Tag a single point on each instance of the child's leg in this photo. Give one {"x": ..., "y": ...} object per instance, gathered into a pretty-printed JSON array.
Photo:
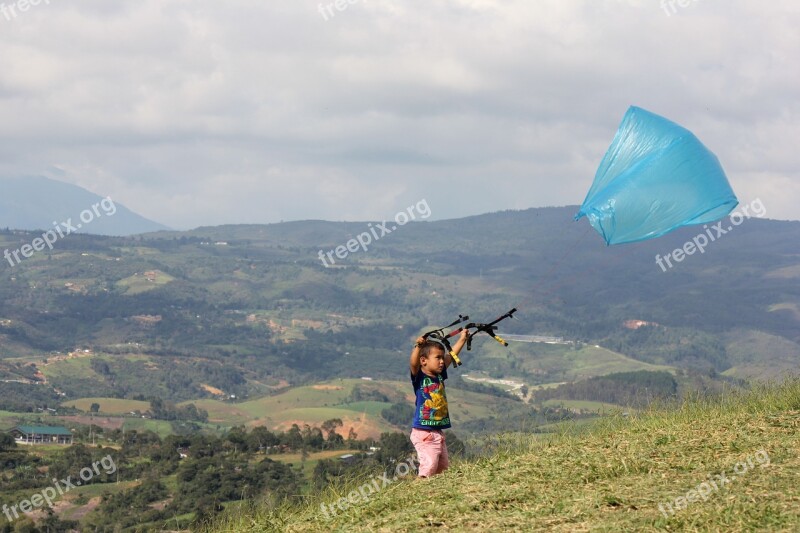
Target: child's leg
[
  {"x": 444, "y": 457},
  {"x": 426, "y": 444}
]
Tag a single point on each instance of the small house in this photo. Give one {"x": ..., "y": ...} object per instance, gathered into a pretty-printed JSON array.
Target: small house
[{"x": 41, "y": 435}]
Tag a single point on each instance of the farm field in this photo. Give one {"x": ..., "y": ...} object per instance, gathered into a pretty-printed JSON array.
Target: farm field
[
  {"x": 109, "y": 406},
  {"x": 312, "y": 459},
  {"x": 310, "y": 404},
  {"x": 563, "y": 363},
  {"x": 161, "y": 427},
  {"x": 8, "y": 419}
]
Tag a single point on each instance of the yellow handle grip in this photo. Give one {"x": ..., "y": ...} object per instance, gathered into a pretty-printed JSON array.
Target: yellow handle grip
[
  {"x": 456, "y": 360},
  {"x": 500, "y": 340}
]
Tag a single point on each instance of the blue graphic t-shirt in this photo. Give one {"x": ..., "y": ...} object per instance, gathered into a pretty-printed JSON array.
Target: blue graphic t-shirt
[{"x": 431, "y": 406}]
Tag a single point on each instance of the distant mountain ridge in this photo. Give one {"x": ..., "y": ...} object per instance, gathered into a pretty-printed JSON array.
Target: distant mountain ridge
[
  {"x": 261, "y": 296},
  {"x": 37, "y": 202}
]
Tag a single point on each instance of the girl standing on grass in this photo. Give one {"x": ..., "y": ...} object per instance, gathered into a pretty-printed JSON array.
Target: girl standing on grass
[{"x": 429, "y": 364}]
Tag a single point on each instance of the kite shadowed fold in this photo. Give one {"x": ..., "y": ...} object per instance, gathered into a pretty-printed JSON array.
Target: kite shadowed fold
[{"x": 655, "y": 177}]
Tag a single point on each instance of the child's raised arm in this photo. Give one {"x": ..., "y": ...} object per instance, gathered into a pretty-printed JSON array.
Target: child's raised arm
[
  {"x": 414, "y": 363},
  {"x": 462, "y": 340}
]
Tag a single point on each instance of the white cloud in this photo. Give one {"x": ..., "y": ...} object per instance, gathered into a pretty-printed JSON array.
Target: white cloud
[{"x": 198, "y": 112}]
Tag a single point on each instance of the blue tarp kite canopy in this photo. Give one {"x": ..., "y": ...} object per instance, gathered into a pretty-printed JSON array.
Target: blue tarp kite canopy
[{"x": 655, "y": 177}]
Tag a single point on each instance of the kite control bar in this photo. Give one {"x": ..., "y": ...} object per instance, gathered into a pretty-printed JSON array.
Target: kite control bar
[{"x": 489, "y": 328}]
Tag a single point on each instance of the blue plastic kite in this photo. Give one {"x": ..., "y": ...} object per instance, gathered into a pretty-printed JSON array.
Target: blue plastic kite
[{"x": 655, "y": 177}]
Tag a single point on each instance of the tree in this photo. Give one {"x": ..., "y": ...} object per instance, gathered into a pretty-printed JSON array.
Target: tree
[
  {"x": 207, "y": 508},
  {"x": 312, "y": 437},
  {"x": 335, "y": 441},
  {"x": 52, "y": 524},
  {"x": 394, "y": 447},
  {"x": 6, "y": 441},
  {"x": 398, "y": 414},
  {"x": 261, "y": 438},
  {"x": 25, "y": 525},
  {"x": 329, "y": 427},
  {"x": 95, "y": 407},
  {"x": 293, "y": 438},
  {"x": 238, "y": 438}
]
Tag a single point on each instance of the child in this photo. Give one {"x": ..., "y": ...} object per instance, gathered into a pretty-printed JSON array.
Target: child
[{"x": 429, "y": 364}]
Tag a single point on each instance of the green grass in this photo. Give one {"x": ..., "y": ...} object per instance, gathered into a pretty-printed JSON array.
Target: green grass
[
  {"x": 746, "y": 349},
  {"x": 109, "y": 406},
  {"x": 295, "y": 459},
  {"x": 76, "y": 368},
  {"x": 589, "y": 361},
  {"x": 608, "y": 476},
  {"x": 9, "y": 419},
  {"x": 160, "y": 427},
  {"x": 548, "y": 363},
  {"x": 311, "y": 404},
  {"x": 330, "y": 393},
  {"x": 91, "y": 491},
  {"x": 601, "y": 407},
  {"x": 371, "y": 408},
  {"x": 171, "y": 482},
  {"x": 138, "y": 283},
  {"x": 317, "y": 403},
  {"x": 223, "y": 413}
]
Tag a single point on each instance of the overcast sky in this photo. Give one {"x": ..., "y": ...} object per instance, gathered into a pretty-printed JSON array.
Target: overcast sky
[{"x": 205, "y": 112}]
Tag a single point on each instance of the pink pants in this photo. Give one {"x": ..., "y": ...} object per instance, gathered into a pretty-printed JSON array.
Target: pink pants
[{"x": 431, "y": 451}]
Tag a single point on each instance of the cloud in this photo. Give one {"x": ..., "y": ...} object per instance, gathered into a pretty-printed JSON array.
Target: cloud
[{"x": 201, "y": 113}]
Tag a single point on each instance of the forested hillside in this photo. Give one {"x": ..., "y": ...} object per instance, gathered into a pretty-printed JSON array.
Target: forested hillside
[{"x": 244, "y": 308}]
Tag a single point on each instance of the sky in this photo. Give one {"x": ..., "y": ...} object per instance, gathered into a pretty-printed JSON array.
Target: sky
[{"x": 197, "y": 113}]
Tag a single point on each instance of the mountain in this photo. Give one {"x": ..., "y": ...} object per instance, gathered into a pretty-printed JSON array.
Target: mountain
[
  {"x": 244, "y": 308},
  {"x": 36, "y": 202}
]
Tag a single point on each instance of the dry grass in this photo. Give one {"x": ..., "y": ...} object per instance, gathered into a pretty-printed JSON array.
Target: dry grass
[{"x": 610, "y": 477}]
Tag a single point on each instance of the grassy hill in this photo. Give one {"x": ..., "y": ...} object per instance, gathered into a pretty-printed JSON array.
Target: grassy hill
[
  {"x": 730, "y": 463},
  {"x": 110, "y": 406},
  {"x": 744, "y": 348}
]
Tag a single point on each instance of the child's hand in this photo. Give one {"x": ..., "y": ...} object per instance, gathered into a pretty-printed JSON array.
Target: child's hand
[
  {"x": 462, "y": 340},
  {"x": 420, "y": 341}
]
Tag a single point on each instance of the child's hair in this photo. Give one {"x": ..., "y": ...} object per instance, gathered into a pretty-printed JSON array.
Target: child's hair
[{"x": 428, "y": 345}]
